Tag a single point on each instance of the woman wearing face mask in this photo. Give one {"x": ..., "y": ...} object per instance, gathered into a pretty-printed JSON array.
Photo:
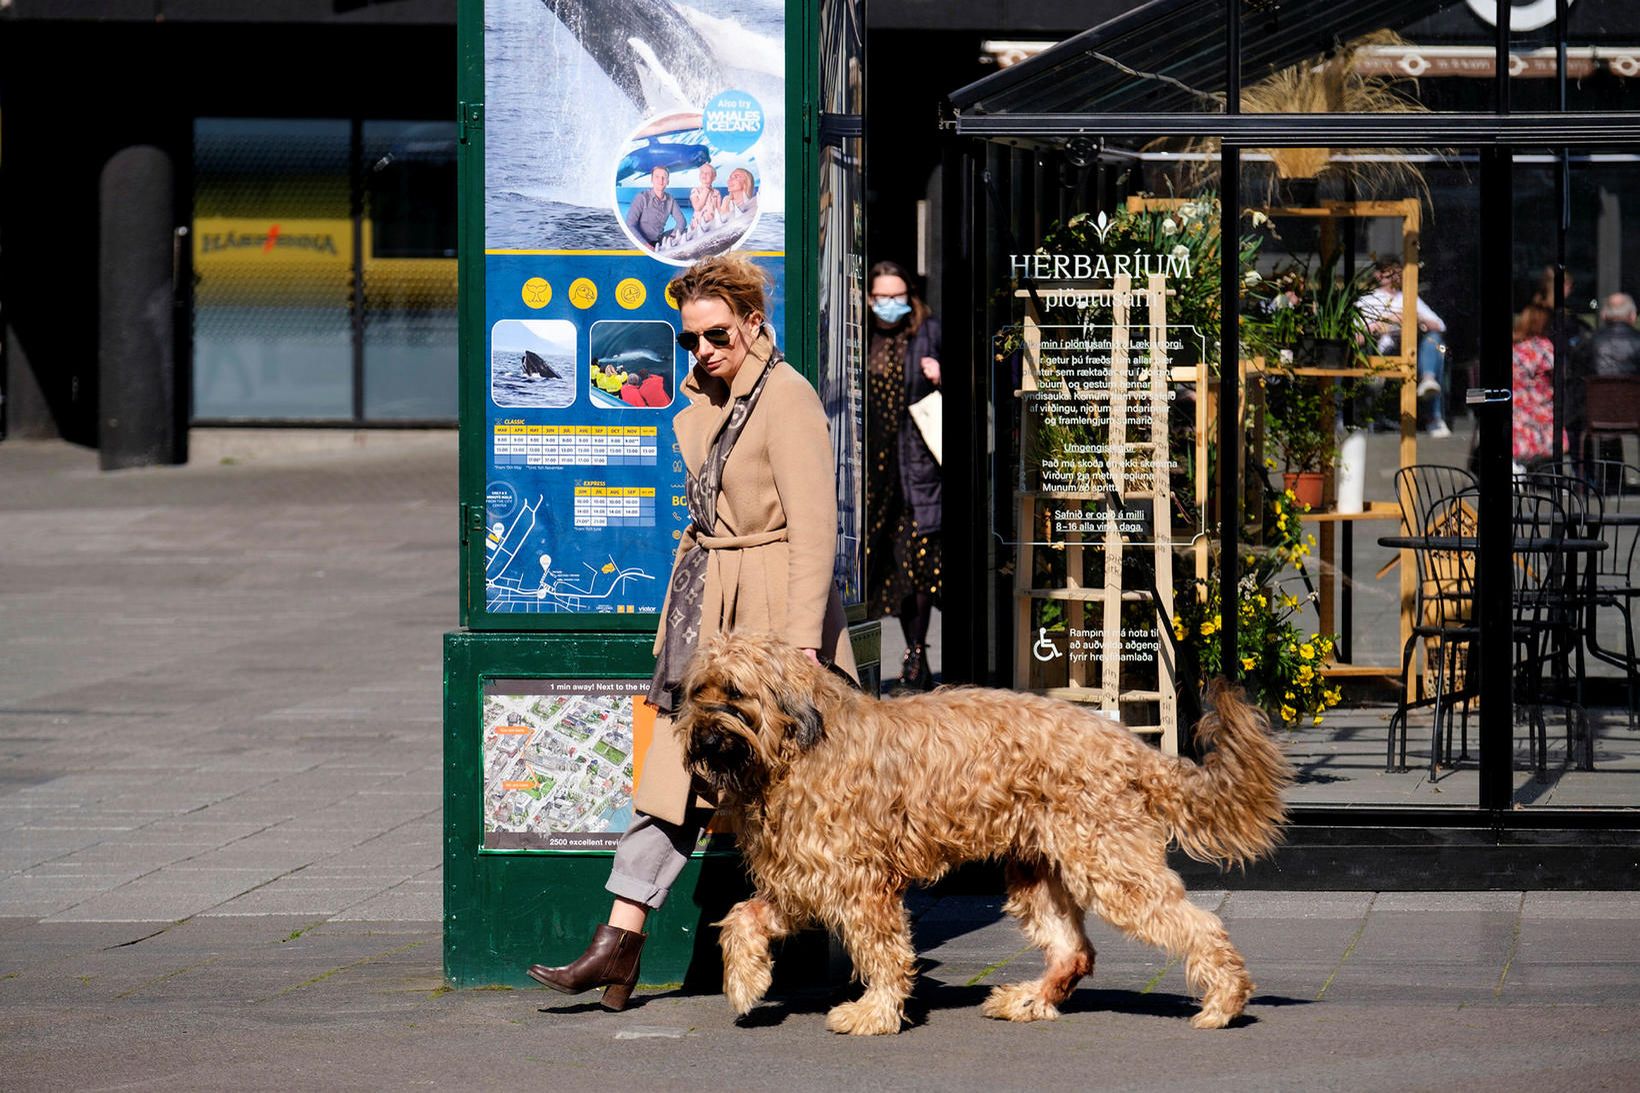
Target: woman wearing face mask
[
  {"x": 903, "y": 487},
  {"x": 757, "y": 555}
]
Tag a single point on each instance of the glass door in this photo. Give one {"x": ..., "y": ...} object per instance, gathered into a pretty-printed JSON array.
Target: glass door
[
  {"x": 1099, "y": 458},
  {"x": 1574, "y": 354},
  {"x": 1359, "y": 300}
]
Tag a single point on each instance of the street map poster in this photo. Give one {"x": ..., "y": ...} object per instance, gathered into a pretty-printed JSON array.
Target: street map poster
[
  {"x": 560, "y": 760},
  {"x": 623, "y": 140}
]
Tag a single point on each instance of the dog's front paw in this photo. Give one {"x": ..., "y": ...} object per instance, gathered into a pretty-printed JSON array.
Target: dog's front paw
[
  {"x": 1019, "y": 1002},
  {"x": 746, "y": 982},
  {"x": 1214, "y": 1017},
  {"x": 1224, "y": 1003},
  {"x": 866, "y": 1017}
]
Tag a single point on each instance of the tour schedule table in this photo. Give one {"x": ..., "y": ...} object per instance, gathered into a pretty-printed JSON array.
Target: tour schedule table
[
  {"x": 575, "y": 446},
  {"x": 601, "y": 506}
]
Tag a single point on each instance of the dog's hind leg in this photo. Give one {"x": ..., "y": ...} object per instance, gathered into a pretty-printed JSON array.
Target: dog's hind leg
[
  {"x": 1153, "y": 908},
  {"x": 1052, "y": 922},
  {"x": 744, "y": 935},
  {"x": 877, "y": 935}
]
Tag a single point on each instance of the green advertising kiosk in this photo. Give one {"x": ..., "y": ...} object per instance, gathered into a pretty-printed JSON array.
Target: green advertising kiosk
[{"x": 742, "y": 124}]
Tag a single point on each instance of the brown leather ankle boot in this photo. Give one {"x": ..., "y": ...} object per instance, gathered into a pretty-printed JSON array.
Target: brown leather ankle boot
[{"x": 611, "y": 962}]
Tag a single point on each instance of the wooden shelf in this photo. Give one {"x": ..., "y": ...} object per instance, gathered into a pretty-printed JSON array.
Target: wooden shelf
[
  {"x": 1364, "y": 671},
  {"x": 1094, "y": 694},
  {"x": 1085, "y": 595},
  {"x": 1355, "y": 210},
  {"x": 1375, "y": 510},
  {"x": 1387, "y": 368}
]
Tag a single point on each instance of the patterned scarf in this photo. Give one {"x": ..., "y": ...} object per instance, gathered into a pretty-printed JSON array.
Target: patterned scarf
[{"x": 689, "y": 578}]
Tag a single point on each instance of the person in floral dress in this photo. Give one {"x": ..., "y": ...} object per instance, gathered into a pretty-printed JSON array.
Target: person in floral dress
[{"x": 1534, "y": 386}]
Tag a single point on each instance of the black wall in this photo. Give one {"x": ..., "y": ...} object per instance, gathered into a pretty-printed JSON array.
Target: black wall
[
  {"x": 74, "y": 93},
  {"x": 82, "y": 79},
  {"x": 908, "y": 75}
]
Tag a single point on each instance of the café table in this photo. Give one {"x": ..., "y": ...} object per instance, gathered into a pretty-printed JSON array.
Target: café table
[{"x": 1521, "y": 544}]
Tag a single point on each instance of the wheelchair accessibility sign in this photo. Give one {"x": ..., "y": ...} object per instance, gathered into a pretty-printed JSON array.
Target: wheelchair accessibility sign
[{"x": 1044, "y": 648}]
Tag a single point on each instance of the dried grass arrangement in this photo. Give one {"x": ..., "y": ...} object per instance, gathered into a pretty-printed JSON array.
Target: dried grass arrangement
[{"x": 1326, "y": 84}]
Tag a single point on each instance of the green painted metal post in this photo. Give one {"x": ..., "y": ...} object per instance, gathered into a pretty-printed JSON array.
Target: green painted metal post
[
  {"x": 505, "y": 911},
  {"x": 517, "y": 889}
]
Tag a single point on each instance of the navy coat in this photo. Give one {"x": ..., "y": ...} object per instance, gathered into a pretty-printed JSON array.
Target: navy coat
[{"x": 919, "y": 471}]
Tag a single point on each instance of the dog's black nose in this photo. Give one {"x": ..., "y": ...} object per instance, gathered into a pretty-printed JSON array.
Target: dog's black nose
[{"x": 708, "y": 747}]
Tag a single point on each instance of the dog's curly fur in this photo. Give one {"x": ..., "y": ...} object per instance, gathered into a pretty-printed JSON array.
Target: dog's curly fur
[{"x": 843, "y": 801}]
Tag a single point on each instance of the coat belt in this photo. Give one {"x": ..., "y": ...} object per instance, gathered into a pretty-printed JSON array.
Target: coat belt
[
  {"x": 723, "y": 576},
  {"x": 740, "y": 542}
]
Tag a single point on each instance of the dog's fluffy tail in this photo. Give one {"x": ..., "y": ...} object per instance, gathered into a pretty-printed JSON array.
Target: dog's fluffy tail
[{"x": 1229, "y": 808}]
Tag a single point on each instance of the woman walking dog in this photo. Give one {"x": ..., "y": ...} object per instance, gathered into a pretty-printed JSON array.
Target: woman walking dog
[{"x": 757, "y": 555}]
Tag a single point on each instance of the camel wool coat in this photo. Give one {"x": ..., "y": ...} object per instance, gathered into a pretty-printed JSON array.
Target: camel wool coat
[{"x": 775, "y": 544}]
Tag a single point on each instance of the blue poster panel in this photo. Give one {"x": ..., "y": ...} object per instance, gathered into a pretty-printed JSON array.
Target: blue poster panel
[{"x": 624, "y": 139}]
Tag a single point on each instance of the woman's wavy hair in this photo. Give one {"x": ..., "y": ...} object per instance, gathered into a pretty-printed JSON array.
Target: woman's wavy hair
[
  {"x": 1532, "y": 322},
  {"x": 919, "y": 310},
  {"x": 732, "y": 278}
]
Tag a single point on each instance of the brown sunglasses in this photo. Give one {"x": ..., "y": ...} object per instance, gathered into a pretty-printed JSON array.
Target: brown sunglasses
[{"x": 717, "y": 335}]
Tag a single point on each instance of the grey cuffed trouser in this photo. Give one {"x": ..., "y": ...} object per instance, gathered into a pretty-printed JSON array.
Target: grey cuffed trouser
[{"x": 650, "y": 856}]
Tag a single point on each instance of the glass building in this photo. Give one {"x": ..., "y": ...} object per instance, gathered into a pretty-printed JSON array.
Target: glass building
[{"x": 1442, "y": 632}]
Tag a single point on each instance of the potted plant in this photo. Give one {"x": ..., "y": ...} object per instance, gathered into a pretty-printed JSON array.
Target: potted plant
[
  {"x": 1281, "y": 663},
  {"x": 1336, "y": 330},
  {"x": 1299, "y": 426}
]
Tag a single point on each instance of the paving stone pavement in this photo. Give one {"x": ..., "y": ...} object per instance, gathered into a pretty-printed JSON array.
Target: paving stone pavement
[
  {"x": 219, "y": 854},
  {"x": 221, "y": 687}
]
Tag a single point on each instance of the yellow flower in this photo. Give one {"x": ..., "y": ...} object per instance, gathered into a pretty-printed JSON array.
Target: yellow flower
[
  {"x": 1281, "y": 521},
  {"x": 1247, "y": 664},
  {"x": 1307, "y": 651},
  {"x": 1289, "y": 495},
  {"x": 1317, "y": 720},
  {"x": 1305, "y": 674},
  {"x": 1288, "y": 713},
  {"x": 1207, "y": 629},
  {"x": 1178, "y": 630},
  {"x": 1262, "y": 602},
  {"x": 1288, "y": 696}
]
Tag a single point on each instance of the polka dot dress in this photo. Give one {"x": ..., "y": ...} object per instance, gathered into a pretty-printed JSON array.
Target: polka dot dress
[{"x": 900, "y": 559}]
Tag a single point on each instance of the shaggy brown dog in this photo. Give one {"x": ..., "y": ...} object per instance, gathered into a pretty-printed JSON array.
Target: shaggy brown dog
[{"x": 843, "y": 801}]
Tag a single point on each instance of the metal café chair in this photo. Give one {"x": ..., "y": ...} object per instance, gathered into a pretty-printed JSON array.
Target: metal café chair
[
  {"x": 1419, "y": 486},
  {"x": 1609, "y": 574},
  {"x": 1545, "y": 620},
  {"x": 1443, "y": 620},
  {"x": 1583, "y": 506}
]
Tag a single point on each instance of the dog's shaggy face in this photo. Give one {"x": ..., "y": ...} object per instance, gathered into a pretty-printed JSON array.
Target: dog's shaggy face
[{"x": 746, "y": 713}]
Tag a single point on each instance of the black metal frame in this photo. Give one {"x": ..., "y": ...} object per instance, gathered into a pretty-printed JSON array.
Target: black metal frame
[
  {"x": 1306, "y": 130},
  {"x": 969, "y": 228}
]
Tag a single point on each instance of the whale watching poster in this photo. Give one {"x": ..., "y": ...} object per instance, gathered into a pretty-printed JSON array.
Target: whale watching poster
[{"x": 623, "y": 140}]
